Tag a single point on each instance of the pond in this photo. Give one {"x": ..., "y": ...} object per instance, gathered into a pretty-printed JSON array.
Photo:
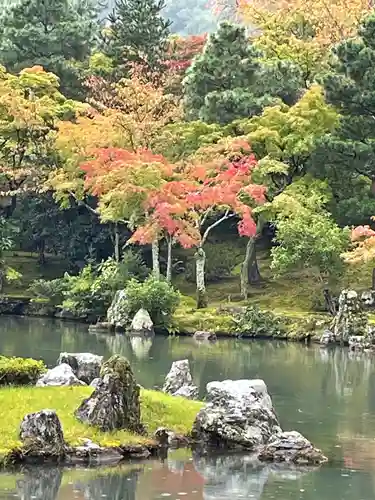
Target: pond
[{"x": 328, "y": 395}]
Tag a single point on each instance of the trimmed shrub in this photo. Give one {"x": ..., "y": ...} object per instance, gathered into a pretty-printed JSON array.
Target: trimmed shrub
[
  {"x": 159, "y": 298},
  {"x": 253, "y": 322},
  {"x": 20, "y": 371}
]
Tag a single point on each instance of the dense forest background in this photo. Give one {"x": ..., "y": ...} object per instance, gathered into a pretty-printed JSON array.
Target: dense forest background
[{"x": 230, "y": 144}]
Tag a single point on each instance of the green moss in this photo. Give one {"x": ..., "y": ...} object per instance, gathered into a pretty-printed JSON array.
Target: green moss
[
  {"x": 157, "y": 409},
  {"x": 20, "y": 371}
]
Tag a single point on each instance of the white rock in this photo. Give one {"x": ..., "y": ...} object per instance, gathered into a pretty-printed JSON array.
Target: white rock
[
  {"x": 60, "y": 375},
  {"x": 142, "y": 322},
  {"x": 179, "y": 381}
]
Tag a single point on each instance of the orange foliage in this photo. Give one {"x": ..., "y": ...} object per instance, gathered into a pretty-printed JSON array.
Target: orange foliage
[{"x": 363, "y": 238}]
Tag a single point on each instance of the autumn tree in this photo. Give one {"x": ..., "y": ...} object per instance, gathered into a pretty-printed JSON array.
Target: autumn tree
[
  {"x": 207, "y": 194},
  {"x": 123, "y": 181},
  {"x": 227, "y": 81},
  {"x": 137, "y": 33},
  {"x": 31, "y": 105},
  {"x": 55, "y": 34},
  {"x": 330, "y": 22}
]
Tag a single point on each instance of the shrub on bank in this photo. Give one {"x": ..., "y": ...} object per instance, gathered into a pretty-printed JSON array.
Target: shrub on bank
[
  {"x": 20, "y": 371},
  {"x": 253, "y": 322}
]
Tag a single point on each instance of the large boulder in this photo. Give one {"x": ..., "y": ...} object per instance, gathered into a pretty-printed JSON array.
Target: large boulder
[
  {"x": 239, "y": 415},
  {"x": 60, "y": 375},
  {"x": 291, "y": 447},
  {"x": 118, "y": 311},
  {"x": 142, "y": 323},
  {"x": 179, "y": 381},
  {"x": 41, "y": 433},
  {"x": 86, "y": 366},
  {"x": 350, "y": 320},
  {"x": 115, "y": 402}
]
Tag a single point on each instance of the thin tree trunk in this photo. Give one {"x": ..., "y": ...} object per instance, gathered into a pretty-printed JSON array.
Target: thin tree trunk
[
  {"x": 155, "y": 260},
  {"x": 373, "y": 279},
  {"x": 41, "y": 249},
  {"x": 330, "y": 304},
  {"x": 200, "y": 261},
  {"x": 117, "y": 243},
  {"x": 169, "y": 258},
  {"x": 245, "y": 270}
]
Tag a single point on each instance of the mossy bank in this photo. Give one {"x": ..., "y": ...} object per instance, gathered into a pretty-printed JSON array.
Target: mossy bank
[{"x": 157, "y": 410}]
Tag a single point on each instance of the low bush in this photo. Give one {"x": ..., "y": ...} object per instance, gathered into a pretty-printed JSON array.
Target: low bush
[
  {"x": 159, "y": 298},
  {"x": 20, "y": 371},
  {"x": 253, "y": 322}
]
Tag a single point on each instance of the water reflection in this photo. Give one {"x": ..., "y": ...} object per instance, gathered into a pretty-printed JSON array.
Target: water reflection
[
  {"x": 214, "y": 478},
  {"x": 326, "y": 394}
]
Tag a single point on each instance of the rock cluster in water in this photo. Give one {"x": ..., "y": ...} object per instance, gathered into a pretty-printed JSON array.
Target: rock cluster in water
[
  {"x": 179, "y": 381},
  {"x": 114, "y": 404},
  {"x": 239, "y": 416}
]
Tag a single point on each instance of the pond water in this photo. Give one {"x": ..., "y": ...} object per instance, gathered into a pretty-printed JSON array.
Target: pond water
[{"x": 328, "y": 395}]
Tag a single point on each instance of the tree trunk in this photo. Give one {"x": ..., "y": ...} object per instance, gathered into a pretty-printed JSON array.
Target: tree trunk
[
  {"x": 200, "y": 261},
  {"x": 41, "y": 249},
  {"x": 253, "y": 273},
  {"x": 329, "y": 302},
  {"x": 245, "y": 270},
  {"x": 169, "y": 259},
  {"x": 155, "y": 260},
  {"x": 117, "y": 243},
  {"x": 373, "y": 279}
]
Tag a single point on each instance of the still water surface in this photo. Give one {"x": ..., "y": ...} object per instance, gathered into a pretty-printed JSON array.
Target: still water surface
[{"x": 328, "y": 395}]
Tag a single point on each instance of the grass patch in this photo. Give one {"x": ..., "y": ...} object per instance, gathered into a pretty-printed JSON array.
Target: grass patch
[{"x": 157, "y": 409}]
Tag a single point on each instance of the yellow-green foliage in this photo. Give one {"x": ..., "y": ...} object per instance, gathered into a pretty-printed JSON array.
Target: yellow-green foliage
[
  {"x": 157, "y": 409},
  {"x": 20, "y": 371}
]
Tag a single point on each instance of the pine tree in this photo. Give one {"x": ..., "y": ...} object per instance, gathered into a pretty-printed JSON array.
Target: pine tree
[
  {"x": 55, "y": 34},
  {"x": 138, "y": 34},
  {"x": 228, "y": 80}
]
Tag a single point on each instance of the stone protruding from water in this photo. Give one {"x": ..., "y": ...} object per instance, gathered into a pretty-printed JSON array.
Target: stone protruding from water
[
  {"x": 142, "y": 323},
  {"x": 86, "y": 366},
  {"x": 351, "y": 319},
  {"x": 291, "y": 447},
  {"x": 41, "y": 432},
  {"x": 179, "y": 381},
  {"x": 61, "y": 375},
  {"x": 239, "y": 416},
  {"x": 115, "y": 402},
  {"x": 118, "y": 311}
]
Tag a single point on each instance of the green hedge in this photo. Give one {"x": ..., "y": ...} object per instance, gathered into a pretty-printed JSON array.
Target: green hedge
[{"x": 20, "y": 371}]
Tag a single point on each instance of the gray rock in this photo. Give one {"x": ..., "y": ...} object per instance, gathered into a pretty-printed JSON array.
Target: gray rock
[
  {"x": 86, "y": 366},
  {"x": 327, "y": 338},
  {"x": 179, "y": 381},
  {"x": 350, "y": 319},
  {"x": 291, "y": 447},
  {"x": 166, "y": 437},
  {"x": 115, "y": 402},
  {"x": 201, "y": 335},
  {"x": 118, "y": 311},
  {"x": 368, "y": 298},
  {"x": 41, "y": 433},
  {"x": 142, "y": 323},
  {"x": 239, "y": 415},
  {"x": 359, "y": 343},
  {"x": 95, "y": 382},
  {"x": 60, "y": 375}
]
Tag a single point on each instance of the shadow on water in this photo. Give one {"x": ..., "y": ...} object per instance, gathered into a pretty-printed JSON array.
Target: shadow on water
[{"x": 327, "y": 394}]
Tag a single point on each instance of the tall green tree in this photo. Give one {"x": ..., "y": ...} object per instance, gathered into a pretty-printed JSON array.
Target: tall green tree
[
  {"x": 137, "y": 33},
  {"x": 347, "y": 156},
  {"x": 55, "y": 34},
  {"x": 228, "y": 80}
]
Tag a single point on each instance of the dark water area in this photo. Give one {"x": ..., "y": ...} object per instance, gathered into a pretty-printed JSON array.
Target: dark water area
[{"x": 328, "y": 395}]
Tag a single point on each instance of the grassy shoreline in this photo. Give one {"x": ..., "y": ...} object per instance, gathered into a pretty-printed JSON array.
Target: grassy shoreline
[{"x": 157, "y": 410}]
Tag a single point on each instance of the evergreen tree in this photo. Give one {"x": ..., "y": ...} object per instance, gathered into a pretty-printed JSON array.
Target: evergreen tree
[
  {"x": 138, "y": 34},
  {"x": 347, "y": 156},
  {"x": 55, "y": 34},
  {"x": 228, "y": 80}
]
